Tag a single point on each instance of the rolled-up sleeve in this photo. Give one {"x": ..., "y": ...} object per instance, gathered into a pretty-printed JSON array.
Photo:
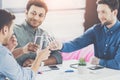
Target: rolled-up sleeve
[{"x": 58, "y": 56}]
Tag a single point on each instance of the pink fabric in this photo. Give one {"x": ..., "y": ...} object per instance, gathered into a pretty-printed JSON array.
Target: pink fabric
[{"x": 86, "y": 53}]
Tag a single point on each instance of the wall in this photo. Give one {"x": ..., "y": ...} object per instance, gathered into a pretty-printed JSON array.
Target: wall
[{"x": 63, "y": 25}]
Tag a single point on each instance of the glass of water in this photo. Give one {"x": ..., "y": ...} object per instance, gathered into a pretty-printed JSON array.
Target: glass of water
[{"x": 39, "y": 41}]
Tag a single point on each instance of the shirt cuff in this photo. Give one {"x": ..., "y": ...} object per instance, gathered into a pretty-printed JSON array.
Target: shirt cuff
[{"x": 102, "y": 62}]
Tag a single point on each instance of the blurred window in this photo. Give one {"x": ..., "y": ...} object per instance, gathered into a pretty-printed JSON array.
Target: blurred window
[{"x": 19, "y": 6}]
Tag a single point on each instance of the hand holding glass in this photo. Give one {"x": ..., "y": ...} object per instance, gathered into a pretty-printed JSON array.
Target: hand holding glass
[
  {"x": 39, "y": 40},
  {"x": 55, "y": 45}
]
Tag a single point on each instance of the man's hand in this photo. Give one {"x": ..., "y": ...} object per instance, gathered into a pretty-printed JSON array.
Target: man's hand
[
  {"x": 25, "y": 49},
  {"x": 55, "y": 45},
  {"x": 12, "y": 43},
  {"x": 95, "y": 61},
  {"x": 43, "y": 54},
  {"x": 30, "y": 47}
]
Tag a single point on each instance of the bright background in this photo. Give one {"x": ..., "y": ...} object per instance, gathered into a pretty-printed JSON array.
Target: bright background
[{"x": 64, "y": 19}]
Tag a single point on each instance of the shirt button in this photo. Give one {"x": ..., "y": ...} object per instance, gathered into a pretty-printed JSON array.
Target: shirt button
[{"x": 106, "y": 45}]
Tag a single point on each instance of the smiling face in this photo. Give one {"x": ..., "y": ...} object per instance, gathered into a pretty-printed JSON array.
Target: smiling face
[
  {"x": 35, "y": 16},
  {"x": 105, "y": 14}
]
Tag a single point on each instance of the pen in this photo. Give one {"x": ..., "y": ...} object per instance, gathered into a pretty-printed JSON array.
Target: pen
[
  {"x": 39, "y": 72},
  {"x": 46, "y": 70},
  {"x": 67, "y": 71}
]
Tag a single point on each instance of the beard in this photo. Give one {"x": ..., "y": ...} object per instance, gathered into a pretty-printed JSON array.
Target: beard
[
  {"x": 5, "y": 42},
  {"x": 33, "y": 23},
  {"x": 107, "y": 23}
]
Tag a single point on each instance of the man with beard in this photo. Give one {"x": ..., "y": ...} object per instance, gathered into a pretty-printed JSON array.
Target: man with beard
[
  {"x": 105, "y": 36},
  {"x": 36, "y": 11}
]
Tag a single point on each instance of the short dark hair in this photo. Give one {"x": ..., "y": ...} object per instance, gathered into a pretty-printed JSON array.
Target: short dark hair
[
  {"x": 38, "y": 3},
  {"x": 5, "y": 18},
  {"x": 113, "y": 4}
]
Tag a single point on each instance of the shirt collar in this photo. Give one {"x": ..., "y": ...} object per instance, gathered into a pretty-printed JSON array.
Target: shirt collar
[
  {"x": 29, "y": 27},
  {"x": 114, "y": 28}
]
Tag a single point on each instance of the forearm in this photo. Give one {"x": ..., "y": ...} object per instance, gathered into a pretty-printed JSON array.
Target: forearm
[
  {"x": 113, "y": 64},
  {"x": 50, "y": 61},
  {"x": 23, "y": 50},
  {"x": 54, "y": 58},
  {"x": 36, "y": 64},
  {"x": 41, "y": 55},
  {"x": 18, "y": 52}
]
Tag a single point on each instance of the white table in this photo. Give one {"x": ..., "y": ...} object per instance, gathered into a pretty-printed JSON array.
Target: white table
[{"x": 101, "y": 74}]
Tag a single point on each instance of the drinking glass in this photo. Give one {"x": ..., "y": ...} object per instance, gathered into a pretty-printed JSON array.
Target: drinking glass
[
  {"x": 52, "y": 39},
  {"x": 39, "y": 40}
]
